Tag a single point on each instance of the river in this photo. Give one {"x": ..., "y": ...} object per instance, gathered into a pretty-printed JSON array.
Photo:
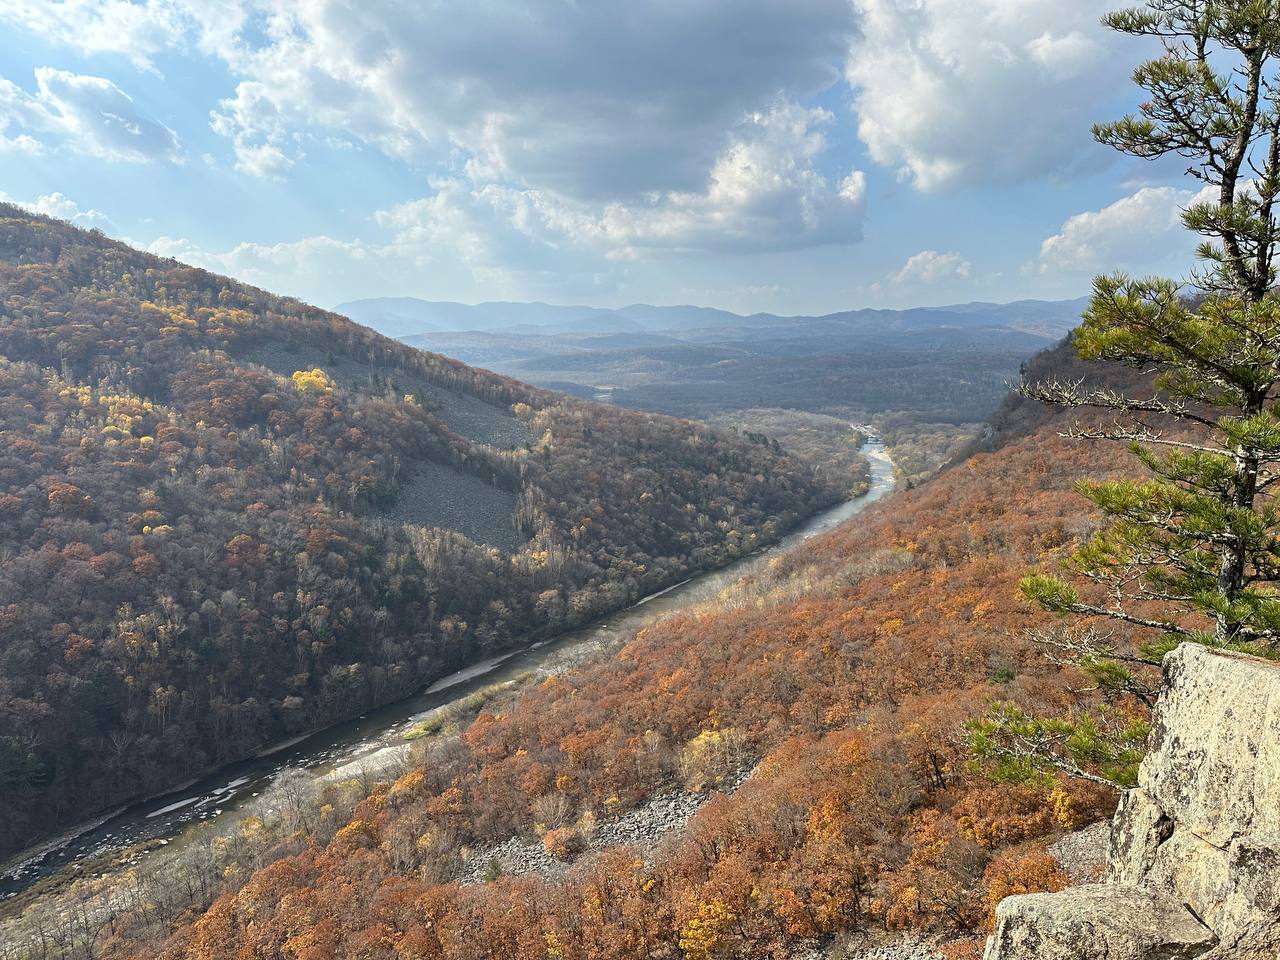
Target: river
[{"x": 379, "y": 735}]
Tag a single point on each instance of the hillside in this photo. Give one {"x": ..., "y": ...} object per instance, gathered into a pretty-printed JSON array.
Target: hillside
[
  {"x": 781, "y": 770},
  {"x": 925, "y": 378},
  {"x": 221, "y": 513}
]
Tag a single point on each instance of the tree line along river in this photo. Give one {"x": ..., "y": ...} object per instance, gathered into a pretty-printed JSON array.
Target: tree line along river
[{"x": 377, "y": 739}]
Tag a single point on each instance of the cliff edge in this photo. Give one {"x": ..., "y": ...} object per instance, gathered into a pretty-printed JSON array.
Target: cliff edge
[{"x": 1194, "y": 863}]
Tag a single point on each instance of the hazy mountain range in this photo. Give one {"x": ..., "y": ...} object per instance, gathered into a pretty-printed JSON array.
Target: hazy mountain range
[
  {"x": 949, "y": 363},
  {"x": 406, "y": 317}
]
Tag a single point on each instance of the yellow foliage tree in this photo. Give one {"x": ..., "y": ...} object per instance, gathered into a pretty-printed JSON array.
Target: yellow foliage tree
[
  {"x": 314, "y": 382},
  {"x": 706, "y": 935},
  {"x": 710, "y": 758}
]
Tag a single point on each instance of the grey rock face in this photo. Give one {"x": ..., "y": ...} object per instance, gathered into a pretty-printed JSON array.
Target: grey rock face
[
  {"x": 1213, "y": 764},
  {"x": 1193, "y": 871},
  {"x": 1248, "y": 917},
  {"x": 1137, "y": 831},
  {"x": 1194, "y": 864},
  {"x": 1097, "y": 921},
  {"x": 1083, "y": 854}
]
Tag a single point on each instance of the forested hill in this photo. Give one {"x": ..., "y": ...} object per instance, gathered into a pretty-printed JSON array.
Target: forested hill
[
  {"x": 221, "y": 518},
  {"x": 606, "y": 807}
]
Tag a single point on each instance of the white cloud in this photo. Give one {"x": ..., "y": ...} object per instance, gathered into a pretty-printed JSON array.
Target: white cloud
[
  {"x": 325, "y": 270},
  {"x": 930, "y": 266},
  {"x": 137, "y": 30},
  {"x": 86, "y": 114},
  {"x": 594, "y": 102},
  {"x": 599, "y": 102},
  {"x": 302, "y": 261},
  {"x": 1065, "y": 55},
  {"x": 1142, "y": 231},
  {"x": 955, "y": 92},
  {"x": 497, "y": 239},
  {"x": 19, "y": 112},
  {"x": 590, "y": 101},
  {"x": 763, "y": 193},
  {"x": 64, "y": 208},
  {"x": 560, "y": 137},
  {"x": 562, "y": 143}
]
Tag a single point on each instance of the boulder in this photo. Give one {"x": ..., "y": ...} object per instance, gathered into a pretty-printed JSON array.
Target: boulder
[
  {"x": 1099, "y": 920},
  {"x": 1194, "y": 862},
  {"x": 1213, "y": 761},
  {"x": 1201, "y": 824},
  {"x": 1193, "y": 871},
  {"x": 1235, "y": 892},
  {"x": 1247, "y": 920}
]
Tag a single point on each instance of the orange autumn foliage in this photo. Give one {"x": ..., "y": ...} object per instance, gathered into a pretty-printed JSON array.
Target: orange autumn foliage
[
  {"x": 1021, "y": 871},
  {"x": 847, "y": 671}
]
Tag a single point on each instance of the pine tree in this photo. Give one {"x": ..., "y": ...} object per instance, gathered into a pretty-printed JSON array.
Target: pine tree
[{"x": 1192, "y": 551}]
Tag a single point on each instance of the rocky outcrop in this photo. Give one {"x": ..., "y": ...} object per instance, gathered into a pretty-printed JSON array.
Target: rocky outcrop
[
  {"x": 1194, "y": 864},
  {"x": 642, "y": 828},
  {"x": 1213, "y": 763},
  {"x": 1082, "y": 854},
  {"x": 1100, "y": 920}
]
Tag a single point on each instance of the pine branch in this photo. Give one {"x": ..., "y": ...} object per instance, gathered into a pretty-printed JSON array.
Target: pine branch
[
  {"x": 1125, "y": 434},
  {"x": 1071, "y": 394},
  {"x": 1088, "y": 609},
  {"x": 1087, "y": 647}
]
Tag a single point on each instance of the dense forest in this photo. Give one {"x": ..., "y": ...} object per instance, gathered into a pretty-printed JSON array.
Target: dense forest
[
  {"x": 816, "y": 715},
  {"x": 228, "y": 517}
]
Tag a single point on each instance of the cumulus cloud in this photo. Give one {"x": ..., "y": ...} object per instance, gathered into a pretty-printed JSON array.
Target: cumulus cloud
[
  {"x": 89, "y": 115},
  {"x": 600, "y": 102},
  {"x": 591, "y": 101},
  {"x": 930, "y": 266},
  {"x": 475, "y": 242},
  {"x": 955, "y": 92},
  {"x": 301, "y": 262},
  {"x": 1142, "y": 231},
  {"x": 325, "y": 269},
  {"x": 137, "y": 30},
  {"x": 571, "y": 139},
  {"x": 64, "y": 208},
  {"x": 591, "y": 133},
  {"x": 763, "y": 193},
  {"x": 594, "y": 102}
]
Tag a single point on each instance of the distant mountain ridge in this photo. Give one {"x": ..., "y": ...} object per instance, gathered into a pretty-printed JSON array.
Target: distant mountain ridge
[
  {"x": 409, "y": 316},
  {"x": 949, "y": 364},
  {"x": 406, "y": 316}
]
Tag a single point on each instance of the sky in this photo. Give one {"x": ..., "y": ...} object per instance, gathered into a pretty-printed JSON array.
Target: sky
[{"x": 790, "y": 156}]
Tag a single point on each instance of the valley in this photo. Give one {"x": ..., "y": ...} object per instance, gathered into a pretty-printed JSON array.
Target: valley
[
  {"x": 408, "y": 550},
  {"x": 233, "y": 519},
  {"x": 778, "y": 481},
  {"x": 839, "y": 671},
  {"x": 924, "y": 378},
  {"x": 155, "y": 837},
  {"x": 500, "y": 646}
]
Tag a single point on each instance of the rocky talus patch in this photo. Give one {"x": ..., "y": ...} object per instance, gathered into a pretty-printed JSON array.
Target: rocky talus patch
[{"x": 642, "y": 828}]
